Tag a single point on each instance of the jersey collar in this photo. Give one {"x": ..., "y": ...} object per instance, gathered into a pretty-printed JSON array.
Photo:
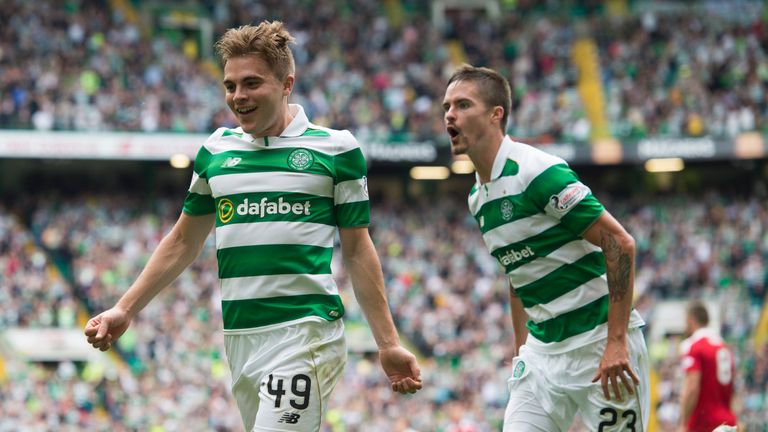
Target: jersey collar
[
  {"x": 501, "y": 159},
  {"x": 298, "y": 125},
  {"x": 705, "y": 332}
]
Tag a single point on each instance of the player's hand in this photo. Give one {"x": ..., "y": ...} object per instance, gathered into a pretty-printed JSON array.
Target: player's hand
[
  {"x": 106, "y": 327},
  {"x": 401, "y": 369},
  {"x": 615, "y": 367}
]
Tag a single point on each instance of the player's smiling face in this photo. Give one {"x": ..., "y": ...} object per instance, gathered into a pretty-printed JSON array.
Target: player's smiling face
[
  {"x": 467, "y": 117},
  {"x": 256, "y": 96}
]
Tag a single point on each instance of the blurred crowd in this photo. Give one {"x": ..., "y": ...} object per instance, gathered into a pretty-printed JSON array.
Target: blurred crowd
[
  {"x": 152, "y": 390},
  {"x": 80, "y": 65},
  {"x": 31, "y": 294},
  {"x": 447, "y": 296},
  {"x": 709, "y": 247}
]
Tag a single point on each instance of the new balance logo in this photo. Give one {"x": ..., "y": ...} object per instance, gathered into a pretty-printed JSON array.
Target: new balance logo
[
  {"x": 230, "y": 162},
  {"x": 290, "y": 418}
]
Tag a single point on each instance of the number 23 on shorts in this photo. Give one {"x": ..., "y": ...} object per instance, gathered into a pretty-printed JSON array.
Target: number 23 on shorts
[{"x": 612, "y": 417}]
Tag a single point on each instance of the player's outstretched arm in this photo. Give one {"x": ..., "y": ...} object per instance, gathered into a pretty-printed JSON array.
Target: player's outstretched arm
[
  {"x": 364, "y": 268},
  {"x": 174, "y": 253},
  {"x": 619, "y": 250}
]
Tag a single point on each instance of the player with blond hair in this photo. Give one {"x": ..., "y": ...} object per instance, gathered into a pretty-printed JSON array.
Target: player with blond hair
[{"x": 277, "y": 189}]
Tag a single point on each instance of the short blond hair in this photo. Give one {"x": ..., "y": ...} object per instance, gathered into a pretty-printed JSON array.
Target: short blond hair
[{"x": 269, "y": 40}]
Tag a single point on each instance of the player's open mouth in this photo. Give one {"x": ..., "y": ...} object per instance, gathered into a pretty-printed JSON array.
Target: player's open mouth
[
  {"x": 452, "y": 131},
  {"x": 245, "y": 110}
]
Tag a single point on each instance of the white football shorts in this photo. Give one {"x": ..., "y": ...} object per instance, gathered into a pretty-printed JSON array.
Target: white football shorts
[
  {"x": 282, "y": 378},
  {"x": 546, "y": 391}
]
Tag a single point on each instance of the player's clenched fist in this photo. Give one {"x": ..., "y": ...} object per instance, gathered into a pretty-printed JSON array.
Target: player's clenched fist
[
  {"x": 107, "y": 327},
  {"x": 401, "y": 369}
]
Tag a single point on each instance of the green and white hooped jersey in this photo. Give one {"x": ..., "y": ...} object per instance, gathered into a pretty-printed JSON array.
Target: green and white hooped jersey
[
  {"x": 278, "y": 202},
  {"x": 532, "y": 215}
]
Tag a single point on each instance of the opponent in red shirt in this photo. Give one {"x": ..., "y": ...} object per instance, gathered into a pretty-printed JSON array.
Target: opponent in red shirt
[{"x": 707, "y": 361}]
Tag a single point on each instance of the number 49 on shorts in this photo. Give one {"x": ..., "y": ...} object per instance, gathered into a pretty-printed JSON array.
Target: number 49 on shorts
[{"x": 301, "y": 386}]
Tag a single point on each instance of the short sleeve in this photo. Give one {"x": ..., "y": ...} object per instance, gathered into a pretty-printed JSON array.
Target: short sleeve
[
  {"x": 690, "y": 362},
  {"x": 199, "y": 199},
  {"x": 559, "y": 193},
  {"x": 350, "y": 194}
]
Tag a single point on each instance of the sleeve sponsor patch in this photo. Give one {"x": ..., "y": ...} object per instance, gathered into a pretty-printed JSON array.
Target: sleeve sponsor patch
[
  {"x": 567, "y": 199},
  {"x": 688, "y": 363}
]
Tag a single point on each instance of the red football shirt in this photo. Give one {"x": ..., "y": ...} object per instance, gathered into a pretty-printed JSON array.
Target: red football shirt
[{"x": 705, "y": 352}]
